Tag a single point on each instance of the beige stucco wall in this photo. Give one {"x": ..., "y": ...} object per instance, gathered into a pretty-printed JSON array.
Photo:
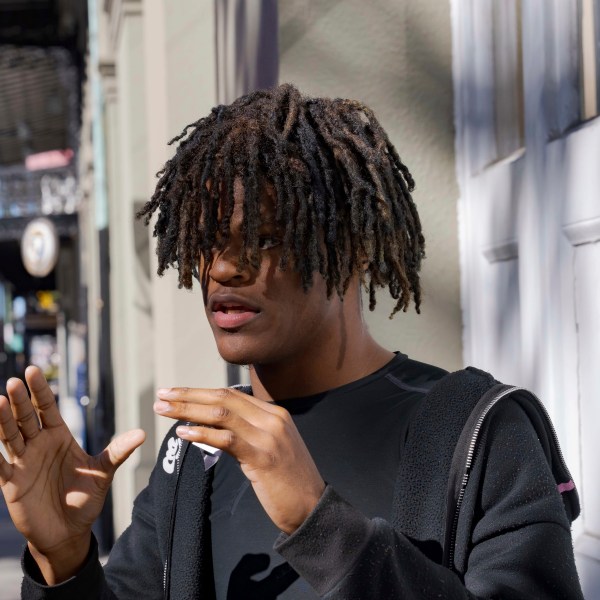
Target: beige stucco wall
[{"x": 396, "y": 57}]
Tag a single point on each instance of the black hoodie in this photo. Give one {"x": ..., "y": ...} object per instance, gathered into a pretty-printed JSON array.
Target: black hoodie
[{"x": 497, "y": 456}]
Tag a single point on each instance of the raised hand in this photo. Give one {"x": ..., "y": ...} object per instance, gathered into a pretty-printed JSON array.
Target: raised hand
[
  {"x": 264, "y": 440},
  {"x": 53, "y": 489}
]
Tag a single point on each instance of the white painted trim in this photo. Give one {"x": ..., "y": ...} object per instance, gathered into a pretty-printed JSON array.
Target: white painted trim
[
  {"x": 505, "y": 160},
  {"x": 117, "y": 11},
  {"x": 459, "y": 38},
  {"x": 583, "y": 232},
  {"x": 588, "y": 545},
  {"x": 584, "y": 124},
  {"x": 505, "y": 250}
]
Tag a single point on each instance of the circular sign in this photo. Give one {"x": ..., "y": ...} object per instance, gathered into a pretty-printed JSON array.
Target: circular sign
[{"x": 39, "y": 247}]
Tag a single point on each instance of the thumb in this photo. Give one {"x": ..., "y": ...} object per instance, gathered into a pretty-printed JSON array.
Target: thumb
[{"x": 120, "y": 448}]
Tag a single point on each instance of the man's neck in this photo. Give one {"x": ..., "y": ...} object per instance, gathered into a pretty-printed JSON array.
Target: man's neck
[{"x": 318, "y": 372}]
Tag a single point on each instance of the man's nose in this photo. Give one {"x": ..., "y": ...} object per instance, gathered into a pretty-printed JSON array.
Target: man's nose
[{"x": 224, "y": 267}]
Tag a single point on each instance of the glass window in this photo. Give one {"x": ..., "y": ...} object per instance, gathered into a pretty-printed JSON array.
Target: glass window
[{"x": 508, "y": 77}]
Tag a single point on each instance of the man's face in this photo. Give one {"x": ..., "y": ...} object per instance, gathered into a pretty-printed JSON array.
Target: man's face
[{"x": 263, "y": 316}]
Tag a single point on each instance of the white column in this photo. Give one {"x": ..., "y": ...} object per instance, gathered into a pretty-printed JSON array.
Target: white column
[
  {"x": 180, "y": 87},
  {"x": 131, "y": 305}
]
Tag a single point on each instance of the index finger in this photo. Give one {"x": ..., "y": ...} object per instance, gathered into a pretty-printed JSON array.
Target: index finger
[
  {"x": 214, "y": 395},
  {"x": 42, "y": 397}
]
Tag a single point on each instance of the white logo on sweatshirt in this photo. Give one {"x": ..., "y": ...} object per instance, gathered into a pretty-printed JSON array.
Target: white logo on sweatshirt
[{"x": 173, "y": 450}]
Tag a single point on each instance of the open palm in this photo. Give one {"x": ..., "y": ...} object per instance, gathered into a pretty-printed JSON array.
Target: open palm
[{"x": 53, "y": 489}]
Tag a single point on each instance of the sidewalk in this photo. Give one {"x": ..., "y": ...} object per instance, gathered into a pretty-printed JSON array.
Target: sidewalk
[{"x": 10, "y": 578}]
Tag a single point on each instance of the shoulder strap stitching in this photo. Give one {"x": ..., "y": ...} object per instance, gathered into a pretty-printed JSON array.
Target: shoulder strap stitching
[{"x": 404, "y": 386}]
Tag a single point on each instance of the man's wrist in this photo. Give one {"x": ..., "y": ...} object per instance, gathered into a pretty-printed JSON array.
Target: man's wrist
[
  {"x": 63, "y": 561},
  {"x": 309, "y": 504}
]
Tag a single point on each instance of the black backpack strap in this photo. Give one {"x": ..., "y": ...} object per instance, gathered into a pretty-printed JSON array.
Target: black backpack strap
[
  {"x": 434, "y": 457},
  {"x": 468, "y": 445},
  {"x": 462, "y": 462},
  {"x": 546, "y": 433}
]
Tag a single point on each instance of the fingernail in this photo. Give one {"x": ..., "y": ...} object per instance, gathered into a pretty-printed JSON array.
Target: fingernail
[
  {"x": 166, "y": 393},
  {"x": 162, "y": 407},
  {"x": 181, "y": 430}
]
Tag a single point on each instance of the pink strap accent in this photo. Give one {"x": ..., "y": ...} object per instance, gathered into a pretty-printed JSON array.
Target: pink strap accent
[{"x": 566, "y": 487}]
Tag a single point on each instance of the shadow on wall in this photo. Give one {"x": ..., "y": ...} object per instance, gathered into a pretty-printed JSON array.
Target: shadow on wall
[{"x": 246, "y": 30}]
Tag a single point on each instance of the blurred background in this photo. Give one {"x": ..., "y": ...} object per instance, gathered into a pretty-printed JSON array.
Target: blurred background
[{"x": 491, "y": 103}]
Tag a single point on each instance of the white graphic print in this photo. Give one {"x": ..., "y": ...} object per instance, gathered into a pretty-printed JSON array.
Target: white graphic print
[
  {"x": 210, "y": 454},
  {"x": 173, "y": 450}
]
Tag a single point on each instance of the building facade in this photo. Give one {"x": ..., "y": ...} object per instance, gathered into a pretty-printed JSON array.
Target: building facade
[
  {"x": 491, "y": 104},
  {"x": 159, "y": 66}
]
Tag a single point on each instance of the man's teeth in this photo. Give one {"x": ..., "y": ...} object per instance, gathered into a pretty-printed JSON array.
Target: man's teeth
[{"x": 234, "y": 310}]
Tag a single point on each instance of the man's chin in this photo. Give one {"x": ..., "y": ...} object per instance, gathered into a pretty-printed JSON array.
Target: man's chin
[
  {"x": 236, "y": 355},
  {"x": 237, "y": 361},
  {"x": 245, "y": 356}
]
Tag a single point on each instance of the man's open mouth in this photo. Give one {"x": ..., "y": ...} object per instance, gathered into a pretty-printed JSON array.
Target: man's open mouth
[
  {"x": 232, "y": 315},
  {"x": 230, "y": 309}
]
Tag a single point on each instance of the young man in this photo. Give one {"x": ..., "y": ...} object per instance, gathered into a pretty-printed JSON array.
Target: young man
[{"x": 334, "y": 476}]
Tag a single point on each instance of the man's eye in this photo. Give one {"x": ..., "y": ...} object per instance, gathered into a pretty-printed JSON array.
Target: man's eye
[{"x": 268, "y": 241}]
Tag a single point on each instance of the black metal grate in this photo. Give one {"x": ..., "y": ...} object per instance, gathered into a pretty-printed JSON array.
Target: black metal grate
[{"x": 38, "y": 100}]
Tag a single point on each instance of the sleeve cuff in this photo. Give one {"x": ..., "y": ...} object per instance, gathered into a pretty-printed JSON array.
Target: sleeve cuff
[
  {"x": 329, "y": 542},
  {"x": 87, "y": 583}
]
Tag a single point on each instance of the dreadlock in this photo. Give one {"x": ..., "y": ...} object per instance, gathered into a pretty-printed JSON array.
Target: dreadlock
[{"x": 342, "y": 193}]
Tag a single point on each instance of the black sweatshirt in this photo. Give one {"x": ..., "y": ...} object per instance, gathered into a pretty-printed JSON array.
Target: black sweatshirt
[
  {"x": 512, "y": 539},
  {"x": 355, "y": 434}
]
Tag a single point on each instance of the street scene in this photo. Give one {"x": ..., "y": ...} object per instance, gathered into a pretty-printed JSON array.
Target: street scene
[{"x": 116, "y": 120}]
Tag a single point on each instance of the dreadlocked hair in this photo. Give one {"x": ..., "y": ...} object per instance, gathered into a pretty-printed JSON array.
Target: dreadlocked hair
[{"x": 342, "y": 193}]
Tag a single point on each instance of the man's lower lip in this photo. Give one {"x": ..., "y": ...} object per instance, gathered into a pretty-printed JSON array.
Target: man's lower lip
[{"x": 233, "y": 320}]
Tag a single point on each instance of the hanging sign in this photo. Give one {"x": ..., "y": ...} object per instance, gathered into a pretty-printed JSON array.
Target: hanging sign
[{"x": 39, "y": 247}]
